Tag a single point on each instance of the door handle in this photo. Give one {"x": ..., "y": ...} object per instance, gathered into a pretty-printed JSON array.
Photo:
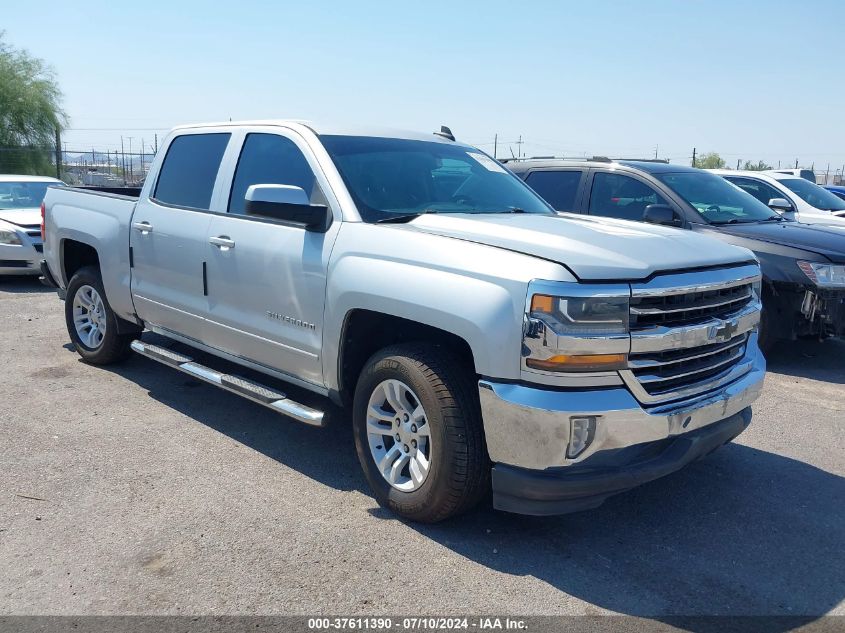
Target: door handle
[
  {"x": 144, "y": 227},
  {"x": 222, "y": 242}
]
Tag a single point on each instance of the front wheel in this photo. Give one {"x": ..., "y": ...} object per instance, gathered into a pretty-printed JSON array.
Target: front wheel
[
  {"x": 91, "y": 322},
  {"x": 418, "y": 433}
]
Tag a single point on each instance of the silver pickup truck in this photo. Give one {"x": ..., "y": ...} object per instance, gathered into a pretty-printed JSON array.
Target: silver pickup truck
[{"x": 477, "y": 337}]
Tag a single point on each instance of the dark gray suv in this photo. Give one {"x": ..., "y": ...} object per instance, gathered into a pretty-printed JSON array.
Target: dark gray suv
[{"x": 803, "y": 265}]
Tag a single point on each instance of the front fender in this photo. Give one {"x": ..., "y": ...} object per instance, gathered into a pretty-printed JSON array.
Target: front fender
[{"x": 474, "y": 291}]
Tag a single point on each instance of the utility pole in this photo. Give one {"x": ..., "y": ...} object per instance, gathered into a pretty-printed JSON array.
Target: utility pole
[
  {"x": 156, "y": 145},
  {"x": 131, "y": 165},
  {"x": 796, "y": 163},
  {"x": 495, "y": 145},
  {"x": 519, "y": 147},
  {"x": 122, "y": 160},
  {"x": 655, "y": 151},
  {"x": 693, "y": 157},
  {"x": 737, "y": 163},
  {"x": 58, "y": 154}
]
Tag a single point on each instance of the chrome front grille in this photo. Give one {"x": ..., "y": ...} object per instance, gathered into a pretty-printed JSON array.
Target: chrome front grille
[
  {"x": 681, "y": 309},
  {"x": 690, "y": 333},
  {"x": 661, "y": 374}
]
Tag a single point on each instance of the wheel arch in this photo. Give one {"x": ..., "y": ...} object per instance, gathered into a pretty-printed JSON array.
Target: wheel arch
[{"x": 364, "y": 332}]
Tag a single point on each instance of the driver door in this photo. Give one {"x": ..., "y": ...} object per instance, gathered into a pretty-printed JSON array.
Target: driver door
[{"x": 267, "y": 278}]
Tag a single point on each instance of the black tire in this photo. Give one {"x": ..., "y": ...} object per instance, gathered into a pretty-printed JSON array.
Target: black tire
[
  {"x": 459, "y": 473},
  {"x": 114, "y": 347}
]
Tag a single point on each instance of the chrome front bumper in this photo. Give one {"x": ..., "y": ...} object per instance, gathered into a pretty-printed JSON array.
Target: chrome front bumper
[{"x": 529, "y": 427}]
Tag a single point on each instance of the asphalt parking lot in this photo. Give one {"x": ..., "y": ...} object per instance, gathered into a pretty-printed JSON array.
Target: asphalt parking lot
[{"x": 135, "y": 489}]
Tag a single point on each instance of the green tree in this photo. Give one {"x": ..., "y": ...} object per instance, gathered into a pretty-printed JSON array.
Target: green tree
[
  {"x": 711, "y": 160},
  {"x": 758, "y": 166},
  {"x": 30, "y": 112}
]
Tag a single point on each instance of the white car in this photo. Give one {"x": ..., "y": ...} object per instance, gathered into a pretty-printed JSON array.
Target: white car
[
  {"x": 792, "y": 196},
  {"x": 20, "y": 223}
]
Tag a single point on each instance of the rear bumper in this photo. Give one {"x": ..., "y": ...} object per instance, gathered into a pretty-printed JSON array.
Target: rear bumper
[
  {"x": 46, "y": 277},
  {"x": 564, "y": 490}
]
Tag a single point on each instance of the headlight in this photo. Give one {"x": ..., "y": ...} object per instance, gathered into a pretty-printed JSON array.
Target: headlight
[
  {"x": 824, "y": 275},
  {"x": 9, "y": 237},
  {"x": 577, "y": 334}
]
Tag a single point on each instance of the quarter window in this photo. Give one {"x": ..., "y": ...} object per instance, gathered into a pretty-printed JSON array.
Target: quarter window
[
  {"x": 270, "y": 159},
  {"x": 190, "y": 169},
  {"x": 619, "y": 196},
  {"x": 559, "y": 188}
]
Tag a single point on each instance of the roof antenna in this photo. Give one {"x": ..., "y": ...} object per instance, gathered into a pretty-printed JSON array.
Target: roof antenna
[{"x": 445, "y": 132}]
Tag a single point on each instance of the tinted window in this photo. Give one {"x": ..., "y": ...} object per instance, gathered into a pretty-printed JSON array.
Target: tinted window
[
  {"x": 557, "y": 187},
  {"x": 190, "y": 169},
  {"x": 812, "y": 194},
  {"x": 760, "y": 190},
  {"x": 392, "y": 177},
  {"x": 717, "y": 200},
  {"x": 623, "y": 197},
  {"x": 270, "y": 159}
]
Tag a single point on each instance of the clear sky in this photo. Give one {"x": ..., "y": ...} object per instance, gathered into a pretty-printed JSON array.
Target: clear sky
[{"x": 750, "y": 80}]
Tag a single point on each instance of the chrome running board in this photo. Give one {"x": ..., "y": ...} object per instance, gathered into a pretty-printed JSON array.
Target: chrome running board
[{"x": 266, "y": 396}]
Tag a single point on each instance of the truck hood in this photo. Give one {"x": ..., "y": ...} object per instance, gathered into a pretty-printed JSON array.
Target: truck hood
[
  {"x": 21, "y": 217},
  {"x": 592, "y": 248},
  {"x": 822, "y": 239}
]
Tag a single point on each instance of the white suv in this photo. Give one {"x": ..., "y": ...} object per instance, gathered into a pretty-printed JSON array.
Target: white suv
[{"x": 793, "y": 197}]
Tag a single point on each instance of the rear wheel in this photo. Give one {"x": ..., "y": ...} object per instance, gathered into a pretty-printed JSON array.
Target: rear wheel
[
  {"x": 418, "y": 433},
  {"x": 91, "y": 322}
]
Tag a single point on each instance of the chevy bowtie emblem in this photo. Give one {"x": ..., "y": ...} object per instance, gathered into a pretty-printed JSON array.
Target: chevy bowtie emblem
[{"x": 723, "y": 332}]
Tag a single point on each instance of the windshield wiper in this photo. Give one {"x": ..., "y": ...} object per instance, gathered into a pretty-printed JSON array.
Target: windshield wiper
[
  {"x": 404, "y": 217},
  {"x": 774, "y": 218},
  {"x": 731, "y": 221}
]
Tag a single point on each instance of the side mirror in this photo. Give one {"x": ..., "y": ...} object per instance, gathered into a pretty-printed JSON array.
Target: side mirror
[
  {"x": 781, "y": 205},
  {"x": 287, "y": 203},
  {"x": 662, "y": 214}
]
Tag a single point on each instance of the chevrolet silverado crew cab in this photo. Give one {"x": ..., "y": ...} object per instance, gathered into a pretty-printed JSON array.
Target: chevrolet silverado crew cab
[
  {"x": 412, "y": 280},
  {"x": 803, "y": 265}
]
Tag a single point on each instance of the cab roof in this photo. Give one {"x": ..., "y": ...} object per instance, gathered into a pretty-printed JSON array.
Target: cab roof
[{"x": 322, "y": 129}]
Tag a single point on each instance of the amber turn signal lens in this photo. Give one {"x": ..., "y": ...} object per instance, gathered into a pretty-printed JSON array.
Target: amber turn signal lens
[
  {"x": 542, "y": 303},
  {"x": 581, "y": 362}
]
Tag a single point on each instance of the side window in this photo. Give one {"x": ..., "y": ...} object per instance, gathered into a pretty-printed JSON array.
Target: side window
[
  {"x": 559, "y": 188},
  {"x": 189, "y": 170},
  {"x": 620, "y": 196},
  {"x": 760, "y": 190},
  {"x": 270, "y": 159}
]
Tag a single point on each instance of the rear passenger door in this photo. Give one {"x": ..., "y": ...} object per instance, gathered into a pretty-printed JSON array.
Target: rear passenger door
[
  {"x": 561, "y": 188},
  {"x": 169, "y": 232},
  {"x": 266, "y": 277}
]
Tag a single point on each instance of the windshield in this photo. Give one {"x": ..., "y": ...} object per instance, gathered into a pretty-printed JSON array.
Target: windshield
[
  {"x": 23, "y": 195},
  {"x": 390, "y": 178},
  {"x": 717, "y": 200},
  {"x": 814, "y": 195}
]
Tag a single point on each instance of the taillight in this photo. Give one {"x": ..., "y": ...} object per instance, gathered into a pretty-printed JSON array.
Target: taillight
[{"x": 43, "y": 232}]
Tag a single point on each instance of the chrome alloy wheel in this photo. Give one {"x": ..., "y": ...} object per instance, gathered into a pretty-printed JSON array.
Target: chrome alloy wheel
[
  {"x": 89, "y": 316},
  {"x": 399, "y": 435}
]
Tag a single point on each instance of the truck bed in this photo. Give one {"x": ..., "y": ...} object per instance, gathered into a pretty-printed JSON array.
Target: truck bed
[{"x": 99, "y": 219}]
